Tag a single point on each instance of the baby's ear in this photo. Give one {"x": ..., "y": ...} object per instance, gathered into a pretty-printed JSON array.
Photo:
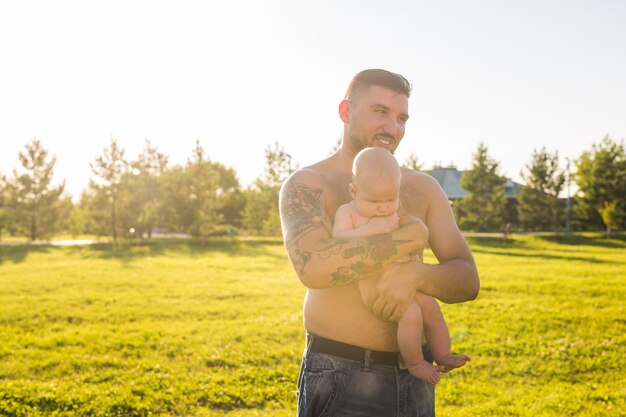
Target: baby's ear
[{"x": 352, "y": 189}]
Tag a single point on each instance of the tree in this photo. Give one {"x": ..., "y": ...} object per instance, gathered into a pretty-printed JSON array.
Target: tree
[
  {"x": 77, "y": 220},
  {"x": 610, "y": 215},
  {"x": 601, "y": 179},
  {"x": 203, "y": 184},
  {"x": 143, "y": 193},
  {"x": 110, "y": 168},
  {"x": 175, "y": 213},
  {"x": 261, "y": 212},
  {"x": 412, "y": 162},
  {"x": 198, "y": 196},
  {"x": 481, "y": 209},
  {"x": 539, "y": 207},
  {"x": 32, "y": 199}
]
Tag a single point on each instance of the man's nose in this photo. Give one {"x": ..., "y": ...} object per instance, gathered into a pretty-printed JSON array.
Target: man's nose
[{"x": 391, "y": 127}]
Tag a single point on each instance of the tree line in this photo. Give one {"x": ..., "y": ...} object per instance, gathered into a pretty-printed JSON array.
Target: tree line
[
  {"x": 134, "y": 198},
  {"x": 599, "y": 202},
  {"x": 137, "y": 197}
]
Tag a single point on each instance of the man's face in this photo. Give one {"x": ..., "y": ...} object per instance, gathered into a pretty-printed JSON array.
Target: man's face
[{"x": 377, "y": 117}]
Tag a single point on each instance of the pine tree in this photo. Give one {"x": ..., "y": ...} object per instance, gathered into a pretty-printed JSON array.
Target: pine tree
[
  {"x": 481, "y": 209},
  {"x": 143, "y": 191},
  {"x": 601, "y": 179},
  {"x": 110, "y": 168},
  {"x": 539, "y": 207},
  {"x": 261, "y": 212},
  {"x": 33, "y": 200}
]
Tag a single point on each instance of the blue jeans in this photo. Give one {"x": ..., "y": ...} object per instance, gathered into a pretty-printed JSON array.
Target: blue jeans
[{"x": 330, "y": 386}]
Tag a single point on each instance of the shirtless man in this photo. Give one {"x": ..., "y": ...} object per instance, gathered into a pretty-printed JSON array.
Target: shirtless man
[{"x": 350, "y": 363}]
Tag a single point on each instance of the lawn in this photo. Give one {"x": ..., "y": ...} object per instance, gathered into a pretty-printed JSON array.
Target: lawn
[{"x": 173, "y": 328}]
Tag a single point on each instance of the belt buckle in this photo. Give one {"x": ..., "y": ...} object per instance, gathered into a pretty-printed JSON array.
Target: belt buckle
[{"x": 401, "y": 363}]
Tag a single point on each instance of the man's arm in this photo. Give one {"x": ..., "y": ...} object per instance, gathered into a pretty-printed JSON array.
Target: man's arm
[
  {"x": 321, "y": 261},
  {"x": 454, "y": 279}
]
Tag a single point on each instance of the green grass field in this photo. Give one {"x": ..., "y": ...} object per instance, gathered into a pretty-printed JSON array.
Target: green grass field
[{"x": 176, "y": 329}]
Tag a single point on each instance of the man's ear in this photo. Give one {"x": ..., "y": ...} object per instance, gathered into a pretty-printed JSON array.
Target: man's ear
[
  {"x": 344, "y": 110},
  {"x": 352, "y": 190}
]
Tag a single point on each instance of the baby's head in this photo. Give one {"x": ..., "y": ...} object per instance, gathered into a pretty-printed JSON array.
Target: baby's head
[{"x": 375, "y": 185}]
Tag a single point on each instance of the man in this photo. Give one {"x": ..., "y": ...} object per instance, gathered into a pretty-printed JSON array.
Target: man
[{"x": 351, "y": 366}]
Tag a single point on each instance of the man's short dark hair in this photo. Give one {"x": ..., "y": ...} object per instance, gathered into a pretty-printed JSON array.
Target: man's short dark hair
[{"x": 379, "y": 77}]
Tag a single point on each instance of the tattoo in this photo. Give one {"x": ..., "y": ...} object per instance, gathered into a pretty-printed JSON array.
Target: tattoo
[
  {"x": 348, "y": 274},
  {"x": 302, "y": 211},
  {"x": 302, "y": 205},
  {"x": 378, "y": 248},
  {"x": 300, "y": 259},
  {"x": 352, "y": 252},
  {"x": 382, "y": 246},
  {"x": 329, "y": 248}
]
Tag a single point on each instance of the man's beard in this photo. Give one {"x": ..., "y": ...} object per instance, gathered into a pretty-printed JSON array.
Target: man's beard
[{"x": 358, "y": 142}]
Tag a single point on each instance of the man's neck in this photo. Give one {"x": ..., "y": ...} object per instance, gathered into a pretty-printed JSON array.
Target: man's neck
[{"x": 345, "y": 158}]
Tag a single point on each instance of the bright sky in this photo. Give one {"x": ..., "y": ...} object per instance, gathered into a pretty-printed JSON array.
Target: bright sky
[{"x": 241, "y": 74}]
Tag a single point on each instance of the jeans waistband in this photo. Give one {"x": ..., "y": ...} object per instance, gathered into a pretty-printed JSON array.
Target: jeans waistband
[
  {"x": 343, "y": 350},
  {"x": 321, "y": 344}
]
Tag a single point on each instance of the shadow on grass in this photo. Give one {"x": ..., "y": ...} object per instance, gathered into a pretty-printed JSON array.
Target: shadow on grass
[
  {"x": 19, "y": 253},
  {"x": 497, "y": 241},
  {"x": 616, "y": 241},
  {"x": 128, "y": 251},
  {"x": 543, "y": 256}
]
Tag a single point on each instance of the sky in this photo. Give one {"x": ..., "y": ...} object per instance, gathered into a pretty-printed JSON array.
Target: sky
[{"x": 240, "y": 75}]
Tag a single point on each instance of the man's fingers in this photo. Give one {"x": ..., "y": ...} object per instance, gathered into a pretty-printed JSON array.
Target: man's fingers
[
  {"x": 388, "y": 312},
  {"x": 378, "y": 307},
  {"x": 397, "y": 314}
]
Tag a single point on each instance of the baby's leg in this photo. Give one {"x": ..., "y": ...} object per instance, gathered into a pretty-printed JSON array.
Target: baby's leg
[
  {"x": 410, "y": 343},
  {"x": 437, "y": 334}
]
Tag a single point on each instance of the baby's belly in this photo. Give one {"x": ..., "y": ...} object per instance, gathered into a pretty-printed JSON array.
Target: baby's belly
[{"x": 339, "y": 314}]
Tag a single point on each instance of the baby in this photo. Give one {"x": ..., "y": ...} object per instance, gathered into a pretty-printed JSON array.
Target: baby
[{"x": 375, "y": 192}]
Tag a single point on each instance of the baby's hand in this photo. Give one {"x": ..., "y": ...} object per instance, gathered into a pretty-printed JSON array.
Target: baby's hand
[{"x": 379, "y": 225}]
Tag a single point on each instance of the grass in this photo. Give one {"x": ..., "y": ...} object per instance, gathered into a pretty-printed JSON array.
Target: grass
[{"x": 172, "y": 328}]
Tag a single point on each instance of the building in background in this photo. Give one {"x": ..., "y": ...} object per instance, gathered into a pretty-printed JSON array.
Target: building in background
[{"x": 450, "y": 180}]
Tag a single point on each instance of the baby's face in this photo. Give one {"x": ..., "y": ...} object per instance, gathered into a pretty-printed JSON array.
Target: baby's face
[{"x": 377, "y": 198}]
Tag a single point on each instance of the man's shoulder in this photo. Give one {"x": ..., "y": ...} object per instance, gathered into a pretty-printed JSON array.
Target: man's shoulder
[
  {"x": 318, "y": 175},
  {"x": 308, "y": 176},
  {"x": 421, "y": 180},
  {"x": 420, "y": 192}
]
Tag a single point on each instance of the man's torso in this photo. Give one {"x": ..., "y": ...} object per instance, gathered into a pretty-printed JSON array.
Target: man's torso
[{"x": 338, "y": 313}]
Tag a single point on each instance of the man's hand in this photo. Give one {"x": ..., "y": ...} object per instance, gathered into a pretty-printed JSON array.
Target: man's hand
[
  {"x": 422, "y": 233},
  {"x": 395, "y": 290}
]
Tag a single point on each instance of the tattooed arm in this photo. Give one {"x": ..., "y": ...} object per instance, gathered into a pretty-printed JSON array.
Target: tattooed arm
[{"x": 321, "y": 261}]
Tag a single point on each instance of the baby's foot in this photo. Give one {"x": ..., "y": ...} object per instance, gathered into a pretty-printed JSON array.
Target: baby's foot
[
  {"x": 450, "y": 362},
  {"x": 426, "y": 372}
]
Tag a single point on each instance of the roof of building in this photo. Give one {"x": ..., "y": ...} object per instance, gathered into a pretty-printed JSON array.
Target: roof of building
[{"x": 450, "y": 180}]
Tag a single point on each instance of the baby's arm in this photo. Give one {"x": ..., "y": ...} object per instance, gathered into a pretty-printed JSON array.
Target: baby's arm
[{"x": 344, "y": 224}]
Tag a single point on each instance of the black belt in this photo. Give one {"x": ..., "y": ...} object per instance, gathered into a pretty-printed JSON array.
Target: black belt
[{"x": 355, "y": 353}]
